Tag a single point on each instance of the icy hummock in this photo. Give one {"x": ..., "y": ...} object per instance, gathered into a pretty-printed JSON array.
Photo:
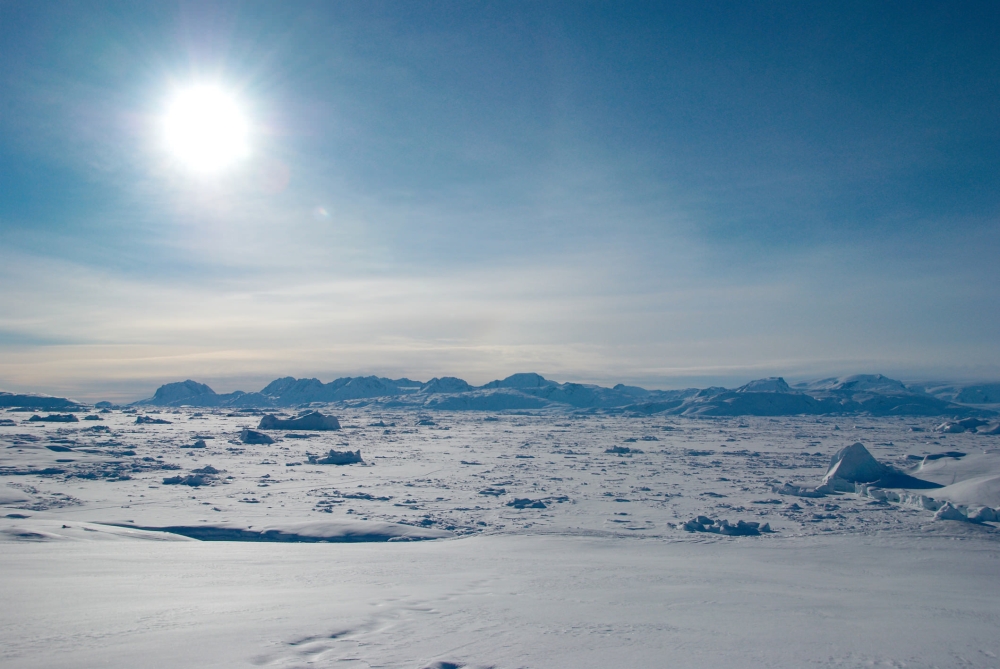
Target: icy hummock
[
  {"x": 856, "y": 465},
  {"x": 310, "y": 420}
]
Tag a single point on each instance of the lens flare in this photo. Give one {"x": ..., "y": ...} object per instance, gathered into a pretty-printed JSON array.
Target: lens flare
[{"x": 206, "y": 130}]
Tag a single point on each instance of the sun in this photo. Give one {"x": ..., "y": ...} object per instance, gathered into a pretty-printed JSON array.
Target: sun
[{"x": 205, "y": 129}]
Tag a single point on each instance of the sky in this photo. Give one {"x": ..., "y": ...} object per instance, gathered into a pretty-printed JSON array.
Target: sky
[{"x": 662, "y": 194}]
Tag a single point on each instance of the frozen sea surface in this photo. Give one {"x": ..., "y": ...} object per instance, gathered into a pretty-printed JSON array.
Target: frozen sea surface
[{"x": 589, "y": 567}]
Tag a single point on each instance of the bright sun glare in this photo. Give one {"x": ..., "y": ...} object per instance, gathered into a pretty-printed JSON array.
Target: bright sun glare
[{"x": 205, "y": 129}]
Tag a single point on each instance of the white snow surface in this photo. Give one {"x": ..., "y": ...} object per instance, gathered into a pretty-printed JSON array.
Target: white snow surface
[
  {"x": 503, "y": 601},
  {"x": 948, "y": 471},
  {"x": 425, "y": 557},
  {"x": 9, "y": 497}
]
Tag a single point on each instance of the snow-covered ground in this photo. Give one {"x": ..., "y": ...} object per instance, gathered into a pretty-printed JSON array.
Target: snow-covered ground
[{"x": 540, "y": 547}]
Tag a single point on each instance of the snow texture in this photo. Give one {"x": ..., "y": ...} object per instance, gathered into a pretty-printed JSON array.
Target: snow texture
[{"x": 554, "y": 536}]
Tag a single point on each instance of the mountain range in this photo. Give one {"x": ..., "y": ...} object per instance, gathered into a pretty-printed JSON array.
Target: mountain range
[{"x": 873, "y": 394}]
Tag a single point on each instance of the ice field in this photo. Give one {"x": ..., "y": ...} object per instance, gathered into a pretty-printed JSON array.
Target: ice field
[{"x": 488, "y": 539}]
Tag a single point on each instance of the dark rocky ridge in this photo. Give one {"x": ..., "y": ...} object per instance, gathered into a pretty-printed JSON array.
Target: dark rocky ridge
[{"x": 36, "y": 401}]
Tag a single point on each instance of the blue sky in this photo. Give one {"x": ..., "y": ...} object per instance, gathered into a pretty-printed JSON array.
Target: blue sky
[{"x": 661, "y": 194}]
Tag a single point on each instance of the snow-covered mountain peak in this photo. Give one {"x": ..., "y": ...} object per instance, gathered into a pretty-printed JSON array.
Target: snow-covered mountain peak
[{"x": 774, "y": 384}]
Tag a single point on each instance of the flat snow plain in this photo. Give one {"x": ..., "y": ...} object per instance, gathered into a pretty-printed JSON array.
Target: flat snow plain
[{"x": 593, "y": 571}]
